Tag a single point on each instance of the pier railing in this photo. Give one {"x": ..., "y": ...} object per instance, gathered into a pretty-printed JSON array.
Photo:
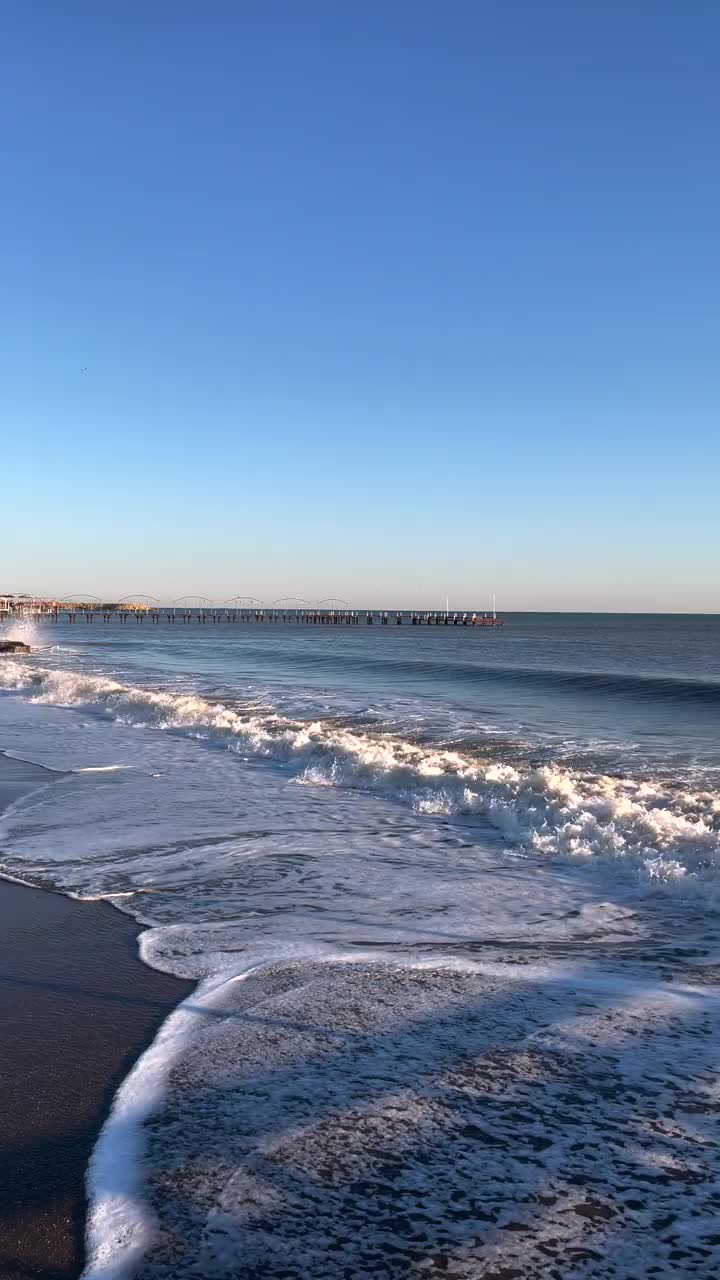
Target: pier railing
[{"x": 238, "y": 613}]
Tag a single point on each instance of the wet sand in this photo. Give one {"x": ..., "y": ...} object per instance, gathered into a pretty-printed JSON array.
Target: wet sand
[{"x": 77, "y": 1007}]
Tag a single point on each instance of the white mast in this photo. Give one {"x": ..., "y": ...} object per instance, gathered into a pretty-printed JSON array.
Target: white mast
[{"x": 494, "y": 613}]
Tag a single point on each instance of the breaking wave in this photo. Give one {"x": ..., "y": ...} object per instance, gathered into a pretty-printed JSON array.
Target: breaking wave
[{"x": 667, "y": 834}]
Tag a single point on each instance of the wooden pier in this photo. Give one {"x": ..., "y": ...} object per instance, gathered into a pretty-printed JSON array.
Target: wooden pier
[
  {"x": 294, "y": 617},
  {"x": 238, "y": 610}
]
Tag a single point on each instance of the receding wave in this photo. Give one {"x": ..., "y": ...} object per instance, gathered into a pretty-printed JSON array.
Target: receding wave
[{"x": 668, "y": 835}]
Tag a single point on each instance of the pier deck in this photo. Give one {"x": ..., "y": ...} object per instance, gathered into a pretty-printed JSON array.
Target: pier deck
[{"x": 216, "y": 615}]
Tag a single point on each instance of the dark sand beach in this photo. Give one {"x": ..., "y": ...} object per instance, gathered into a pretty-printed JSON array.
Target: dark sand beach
[{"x": 77, "y": 1007}]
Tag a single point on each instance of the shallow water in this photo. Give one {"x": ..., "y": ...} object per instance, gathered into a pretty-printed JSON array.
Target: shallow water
[{"x": 381, "y": 836}]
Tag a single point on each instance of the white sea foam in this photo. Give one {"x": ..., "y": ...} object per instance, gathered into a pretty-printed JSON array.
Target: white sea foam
[
  {"x": 7, "y": 875},
  {"x": 669, "y": 837},
  {"x": 102, "y": 768},
  {"x": 401, "y": 1118},
  {"x": 121, "y": 1225}
]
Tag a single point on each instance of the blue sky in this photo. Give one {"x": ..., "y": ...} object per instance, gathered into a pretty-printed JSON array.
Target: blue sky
[{"x": 383, "y": 300}]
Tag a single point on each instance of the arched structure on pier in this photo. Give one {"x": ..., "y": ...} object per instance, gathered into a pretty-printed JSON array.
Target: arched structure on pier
[
  {"x": 139, "y": 597},
  {"x": 243, "y": 600},
  {"x": 291, "y": 601},
  {"x": 332, "y": 601},
  {"x": 201, "y": 602},
  {"x": 78, "y": 597}
]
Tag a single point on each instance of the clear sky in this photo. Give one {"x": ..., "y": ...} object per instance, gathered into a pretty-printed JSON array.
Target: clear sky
[{"x": 384, "y": 299}]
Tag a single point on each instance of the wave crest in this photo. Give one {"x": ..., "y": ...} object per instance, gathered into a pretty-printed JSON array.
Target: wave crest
[{"x": 667, "y": 835}]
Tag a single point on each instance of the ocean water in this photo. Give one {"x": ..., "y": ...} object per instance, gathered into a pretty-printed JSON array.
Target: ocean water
[{"x": 452, "y": 899}]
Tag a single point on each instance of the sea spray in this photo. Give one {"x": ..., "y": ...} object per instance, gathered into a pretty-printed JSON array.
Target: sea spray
[{"x": 20, "y": 628}]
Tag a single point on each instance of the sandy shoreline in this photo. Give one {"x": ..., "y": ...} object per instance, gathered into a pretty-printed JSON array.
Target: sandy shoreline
[{"x": 77, "y": 1007}]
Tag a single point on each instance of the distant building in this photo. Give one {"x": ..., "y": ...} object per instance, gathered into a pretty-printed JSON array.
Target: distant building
[{"x": 13, "y": 604}]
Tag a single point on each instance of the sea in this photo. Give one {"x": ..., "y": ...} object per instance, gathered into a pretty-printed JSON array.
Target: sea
[{"x": 451, "y": 897}]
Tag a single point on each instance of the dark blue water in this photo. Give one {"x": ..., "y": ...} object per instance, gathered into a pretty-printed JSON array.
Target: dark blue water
[{"x": 649, "y": 684}]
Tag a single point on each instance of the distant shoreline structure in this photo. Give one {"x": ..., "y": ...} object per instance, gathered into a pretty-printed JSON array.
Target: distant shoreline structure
[{"x": 324, "y": 613}]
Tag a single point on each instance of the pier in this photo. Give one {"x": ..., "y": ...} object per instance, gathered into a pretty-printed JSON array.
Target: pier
[{"x": 255, "y": 613}]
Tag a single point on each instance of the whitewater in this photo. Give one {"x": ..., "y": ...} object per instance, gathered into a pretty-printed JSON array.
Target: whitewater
[
  {"x": 662, "y": 832},
  {"x": 452, "y": 903}
]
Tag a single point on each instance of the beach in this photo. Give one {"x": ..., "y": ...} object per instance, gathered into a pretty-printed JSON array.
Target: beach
[
  {"x": 77, "y": 1007},
  {"x": 450, "y": 903}
]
